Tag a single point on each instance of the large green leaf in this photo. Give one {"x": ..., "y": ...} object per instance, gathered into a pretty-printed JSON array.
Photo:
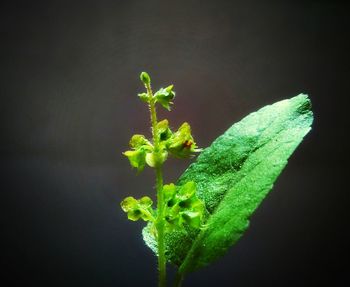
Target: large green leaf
[{"x": 234, "y": 175}]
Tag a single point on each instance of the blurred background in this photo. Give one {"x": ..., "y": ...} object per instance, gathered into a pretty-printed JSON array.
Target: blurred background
[{"x": 69, "y": 80}]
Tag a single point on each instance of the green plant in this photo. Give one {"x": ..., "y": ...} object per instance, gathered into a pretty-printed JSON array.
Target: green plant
[{"x": 208, "y": 209}]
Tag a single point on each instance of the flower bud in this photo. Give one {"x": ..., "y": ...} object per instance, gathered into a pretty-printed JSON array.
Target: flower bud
[{"x": 145, "y": 78}]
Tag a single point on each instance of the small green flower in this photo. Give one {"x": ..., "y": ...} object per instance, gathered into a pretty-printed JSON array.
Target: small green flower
[
  {"x": 144, "y": 97},
  {"x": 137, "y": 158},
  {"x": 138, "y": 209},
  {"x": 182, "y": 144},
  {"x": 165, "y": 96},
  {"x": 141, "y": 147}
]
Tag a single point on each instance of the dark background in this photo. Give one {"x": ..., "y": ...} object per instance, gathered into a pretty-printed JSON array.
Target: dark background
[{"x": 69, "y": 79}]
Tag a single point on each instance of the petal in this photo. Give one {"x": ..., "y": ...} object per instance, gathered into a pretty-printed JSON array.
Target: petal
[{"x": 129, "y": 203}]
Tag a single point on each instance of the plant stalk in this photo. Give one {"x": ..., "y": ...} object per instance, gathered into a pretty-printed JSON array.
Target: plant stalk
[
  {"x": 178, "y": 279},
  {"x": 160, "y": 198},
  {"x": 160, "y": 229}
]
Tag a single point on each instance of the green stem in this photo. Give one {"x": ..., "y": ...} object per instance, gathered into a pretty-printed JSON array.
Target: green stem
[
  {"x": 160, "y": 199},
  {"x": 178, "y": 279},
  {"x": 152, "y": 109},
  {"x": 160, "y": 229}
]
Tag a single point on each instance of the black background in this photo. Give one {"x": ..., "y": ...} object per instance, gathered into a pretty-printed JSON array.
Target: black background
[{"x": 69, "y": 79}]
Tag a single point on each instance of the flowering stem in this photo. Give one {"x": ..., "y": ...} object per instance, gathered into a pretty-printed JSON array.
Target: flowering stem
[
  {"x": 178, "y": 279},
  {"x": 160, "y": 229},
  {"x": 160, "y": 199}
]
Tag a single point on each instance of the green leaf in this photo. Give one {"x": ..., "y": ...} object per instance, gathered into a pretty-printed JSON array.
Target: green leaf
[{"x": 233, "y": 176}]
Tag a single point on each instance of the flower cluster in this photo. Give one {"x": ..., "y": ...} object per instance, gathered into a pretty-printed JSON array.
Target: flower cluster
[
  {"x": 180, "y": 144},
  {"x": 180, "y": 205}
]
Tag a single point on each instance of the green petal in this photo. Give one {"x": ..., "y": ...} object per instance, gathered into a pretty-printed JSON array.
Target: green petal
[
  {"x": 192, "y": 218},
  {"x": 134, "y": 215},
  {"x": 137, "y": 158},
  {"x": 187, "y": 190},
  {"x": 129, "y": 203},
  {"x": 154, "y": 160},
  {"x": 145, "y": 202},
  {"x": 144, "y": 97},
  {"x": 138, "y": 141},
  {"x": 169, "y": 191},
  {"x": 169, "y": 88},
  {"x": 146, "y": 216},
  {"x": 164, "y": 131}
]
